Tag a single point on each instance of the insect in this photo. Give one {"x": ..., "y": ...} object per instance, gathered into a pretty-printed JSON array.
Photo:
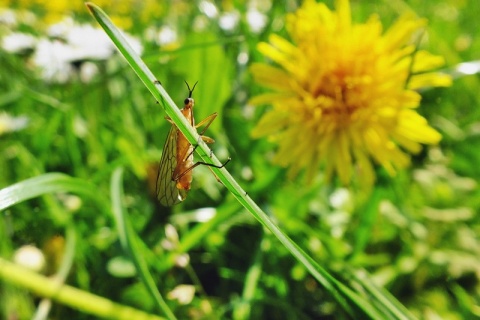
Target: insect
[{"x": 176, "y": 165}]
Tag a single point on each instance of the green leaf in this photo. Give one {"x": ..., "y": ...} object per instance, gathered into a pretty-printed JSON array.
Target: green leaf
[{"x": 45, "y": 184}]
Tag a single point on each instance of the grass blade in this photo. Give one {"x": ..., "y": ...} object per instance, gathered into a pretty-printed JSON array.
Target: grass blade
[
  {"x": 130, "y": 243},
  {"x": 67, "y": 295},
  {"x": 45, "y": 184}
]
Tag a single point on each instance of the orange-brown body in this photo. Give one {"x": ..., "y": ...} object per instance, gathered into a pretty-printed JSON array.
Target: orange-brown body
[{"x": 185, "y": 151}]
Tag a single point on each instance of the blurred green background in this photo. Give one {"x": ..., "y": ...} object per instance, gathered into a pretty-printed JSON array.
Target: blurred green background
[{"x": 70, "y": 104}]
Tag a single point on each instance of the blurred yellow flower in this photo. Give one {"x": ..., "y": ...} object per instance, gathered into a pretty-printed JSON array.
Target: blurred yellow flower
[{"x": 345, "y": 93}]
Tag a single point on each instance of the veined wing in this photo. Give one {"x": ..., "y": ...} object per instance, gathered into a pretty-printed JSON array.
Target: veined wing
[{"x": 167, "y": 192}]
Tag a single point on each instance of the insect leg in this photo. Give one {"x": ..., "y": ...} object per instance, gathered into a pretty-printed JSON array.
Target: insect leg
[
  {"x": 206, "y": 139},
  {"x": 196, "y": 164},
  {"x": 208, "y": 120}
]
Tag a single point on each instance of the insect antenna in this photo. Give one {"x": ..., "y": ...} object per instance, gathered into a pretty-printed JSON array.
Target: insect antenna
[{"x": 190, "y": 91}]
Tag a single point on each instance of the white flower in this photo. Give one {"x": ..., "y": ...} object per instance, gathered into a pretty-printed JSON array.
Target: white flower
[
  {"x": 229, "y": 20},
  {"x": 88, "y": 43},
  {"x": 209, "y": 9},
  {"x": 18, "y": 42},
  {"x": 341, "y": 199},
  {"x": 256, "y": 20},
  {"x": 167, "y": 35},
  {"x": 61, "y": 28},
  {"x": 88, "y": 71},
  {"x": 73, "y": 44},
  {"x": 11, "y": 18},
  {"x": 8, "y": 17},
  {"x": 10, "y": 123},
  {"x": 52, "y": 57},
  {"x": 30, "y": 257},
  {"x": 183, "y": 293}
]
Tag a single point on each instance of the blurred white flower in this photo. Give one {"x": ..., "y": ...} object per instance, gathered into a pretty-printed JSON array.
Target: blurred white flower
[
  {"x": 166, "y": 35},
  {"x": 52, "y": 58},
  {"x": 229, "y": 20},
  {"x": 71, "y": 202},
  {"x": 8, "y": 17},
  {"x": 10, "y": 123},
  {"x": 18, "y": 42},
  {"x": 208, "y": 8},
  {"x": 11, "y": 18},
  {"x": 74, "y": 44},
  {"x": 341, "y": 199},
  {"x": 256, "y": 20},
  {"x": 30, "y": 257},
  {"x": 88, "y": 70},
  {"x": 182, "y": 260},
  {"x": 88, "y": 43},
  {"x": 183, "y": 293},
  {"x": 171, "y": 233},
  {"x": 171, "y": 239},
  {"x": 61, "y": 28}
]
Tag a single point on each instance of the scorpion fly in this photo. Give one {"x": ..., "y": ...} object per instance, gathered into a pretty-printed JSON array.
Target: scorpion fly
[{"x": 176, "y": 165}]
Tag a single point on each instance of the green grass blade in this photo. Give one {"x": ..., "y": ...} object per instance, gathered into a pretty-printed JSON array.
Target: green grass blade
[
  {"x": 244, "y": 308},
  {"x": 45, "y": 184},
  {"x": 350, "y": 301},
  {"x": 391, "y": 307},
  {"x": 130, "y": 243},
  {"x": 43, "y": 286}
]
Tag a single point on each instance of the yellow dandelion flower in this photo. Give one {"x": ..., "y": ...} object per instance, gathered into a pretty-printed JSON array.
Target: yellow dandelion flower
[{"x": 344, "y": 94}]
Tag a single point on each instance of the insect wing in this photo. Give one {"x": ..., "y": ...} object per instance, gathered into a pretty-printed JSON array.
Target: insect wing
[{"x": 167, "y": 192}]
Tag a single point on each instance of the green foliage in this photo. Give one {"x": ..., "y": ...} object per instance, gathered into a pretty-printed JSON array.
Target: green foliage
[{"x": 416, "y": 235}]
